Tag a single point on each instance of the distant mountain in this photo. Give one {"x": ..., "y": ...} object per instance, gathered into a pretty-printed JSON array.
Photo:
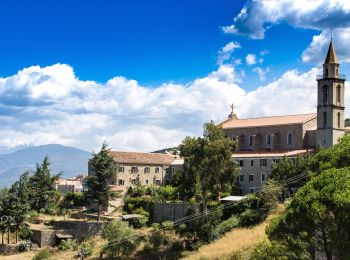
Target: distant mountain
[{"x": 68, "y": 160}]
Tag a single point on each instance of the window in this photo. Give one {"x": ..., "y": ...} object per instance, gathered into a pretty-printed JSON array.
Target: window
[
  {"x": 251, "y": 162},
  {"x": 241, "y": 178},
  {"x": 289, "y": 138},
  {"x": 172, "y": 169},
  {"x": 325, "y": 94},
  {"x": 134, "y": 169},
  {"x": 251, "y": 190},
  {"x": 241, "y": 163},
  {"x": 263, "y": 162},
  {"x": 146, "y": 170},
  {"x": 268, "y": 139},
  {"x": 146, "y": 182},
  {"x": 338, "y": 93},
  {"x": 326, "y": 72},
  {"x": 156, "y": 170},
  {"x": 324, "y": 119},
  {"x": 251, "y": 177},
  {"x": 263, "y": 177},
  {"x": 338, "y": 119},
  {"x": 240, "y": 192},
  {"x": 133, "y": 181},
  {"x": 121, "y": 169},
  {"x": 276, "y": 160},
  {"x": 121, "y": 182},
  {"x": 251, "y": 140}
]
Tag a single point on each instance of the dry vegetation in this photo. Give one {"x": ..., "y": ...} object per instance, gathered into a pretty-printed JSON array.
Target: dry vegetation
[{"x": 238, "y": 240}]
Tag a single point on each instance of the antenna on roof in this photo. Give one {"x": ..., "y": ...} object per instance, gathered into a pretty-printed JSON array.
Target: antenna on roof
[{"x": 331, "y": 33}]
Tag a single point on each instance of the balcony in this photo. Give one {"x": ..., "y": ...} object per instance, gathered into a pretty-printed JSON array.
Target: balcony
[{"x": 340, "y": 76}]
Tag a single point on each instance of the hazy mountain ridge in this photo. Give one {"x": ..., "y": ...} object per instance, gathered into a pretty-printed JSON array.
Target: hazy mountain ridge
[{"x": 68, "y": 160}]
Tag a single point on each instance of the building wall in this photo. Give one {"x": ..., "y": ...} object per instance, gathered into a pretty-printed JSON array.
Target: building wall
[{"x": 279, "y": 139}]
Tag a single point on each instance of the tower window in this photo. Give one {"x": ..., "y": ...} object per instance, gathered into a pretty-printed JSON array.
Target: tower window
[
  {"x": 268, "y": 139},
  {"x": 338, "y": 93},
  {"x": 326, "y": 72},
  {"x": 289, "y": 138},
  {"x": 338, "y": 119},
  {"x": 325, "y": 94},
  {"x": 324, "y": 119},
  {"x": 251, "y": 140}
]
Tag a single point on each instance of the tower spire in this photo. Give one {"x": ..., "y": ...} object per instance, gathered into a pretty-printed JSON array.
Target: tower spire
[{"x": 331, "y": 56}]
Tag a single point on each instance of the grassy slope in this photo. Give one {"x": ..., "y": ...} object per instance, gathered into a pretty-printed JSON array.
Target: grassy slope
[{"x": 240, "y": 239}]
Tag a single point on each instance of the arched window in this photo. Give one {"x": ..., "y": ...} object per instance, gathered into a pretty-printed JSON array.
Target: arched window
[
  {"x": 324, "y": 119},
  {"x": 338, "y": 119},
  {"x": 325, "y": 94},
  {"x": 268, "y": 139},
  {"x": 338, "y": 93},
  {"x": 289, "y": 138}
]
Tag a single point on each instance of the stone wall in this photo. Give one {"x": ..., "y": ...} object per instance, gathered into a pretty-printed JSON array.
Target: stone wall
[
  {"x": 44, "y": 237},
  {"x": 171, "y": 211},
  {"x": 79, "y": 229}
]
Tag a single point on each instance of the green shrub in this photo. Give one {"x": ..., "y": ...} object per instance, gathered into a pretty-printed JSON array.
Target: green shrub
[
  {"x": 250, "y": 217},
  {"x": 43, "y": 254},
  {"x": 167, "y": 224},
  {"x": 24, "y": 246},
  {"x": 141, "y": 221},
  {"x": 25, "y": 232},
  {"x": 68, "y": 244},
  {"x": 228, "y": 225},
  {"x": 86, "y": 249},
  {"x": 33, "y": 217}
]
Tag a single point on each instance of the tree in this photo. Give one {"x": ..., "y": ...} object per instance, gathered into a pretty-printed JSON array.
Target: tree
[
  {"x": 318, "y": 218},
  {"x": 121, "y": 238},
  {"x": 208, "y": 161},
  {"x": 103, "y": 168},
  {"x": 3, "y": 225},
  {"x": 43, "y": 194},
  {"x": 16, "y": 204}
]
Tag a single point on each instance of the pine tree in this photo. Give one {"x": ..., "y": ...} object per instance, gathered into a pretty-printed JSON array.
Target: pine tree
[{"x": 103, "y": 168}]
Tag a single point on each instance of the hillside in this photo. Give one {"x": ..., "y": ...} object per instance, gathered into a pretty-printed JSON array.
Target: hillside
[{"x": 68, "y": 160}]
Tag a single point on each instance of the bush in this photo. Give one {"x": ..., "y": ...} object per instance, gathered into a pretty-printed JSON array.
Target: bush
[
  {"x": 43, "y": 254},
  {"x": 69, "y": 244},
  {"x": 24, "y": 246},
  {"x": 269, "y": 250},
  {"x": 141, "y": 221},
  {"x": 85, "y": 249},
  {"x": 250, "y": 217},
  {"x": 228, "y": 225},
  {"x": 25, "y": 232},
  {"x": 33, "y": 217}
]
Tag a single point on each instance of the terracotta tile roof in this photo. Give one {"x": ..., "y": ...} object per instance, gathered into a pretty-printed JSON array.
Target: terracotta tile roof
[
  {"x": 268, "y": 121},
  {"x": 264, "y": 154},
  {"x": 142, "y": 158}
]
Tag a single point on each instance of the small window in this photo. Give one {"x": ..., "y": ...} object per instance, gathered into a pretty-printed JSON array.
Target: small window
[
  {"x": 338, "y": 115},
  {"x": 146, "y": 182},
  {"x": 338, "y": 93},
  {"x": 251, "y": 140},
  {"x": 325, "y": 94},
  {"x": 241, "y": 178},
  {"x": 251, "y": 162},
  {"x": 263, "y": 177},
  {"x": 240, "y": 192},
  {"x": 121, "y": 169},
  {"x": 263, "y": 162},
  {"x": 289, "y": 138},
  {"x": 134, "y": 169},
  {"x": 146, "y": 170},
  {"x": 276, "y": 160},
  {"x": 121, "y": 182},
  {"x": 251, "y": 190},
  {"x": 241, "y": 163},
  {"x": 251, "y": 177},
  {"x": 156, "y": 170},
  {"x": 173, "y": 169},
  {"x": 324, "y": 119},
  {"x": 268, "y": 139}
]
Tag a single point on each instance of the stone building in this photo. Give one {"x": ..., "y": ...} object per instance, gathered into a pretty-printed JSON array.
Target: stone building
[
  {"x": 265, "y": 140},
  {"x": 142, "y": 168}
]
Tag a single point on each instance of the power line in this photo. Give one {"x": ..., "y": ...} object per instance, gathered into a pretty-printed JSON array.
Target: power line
[{"x": 211, "y": 210}]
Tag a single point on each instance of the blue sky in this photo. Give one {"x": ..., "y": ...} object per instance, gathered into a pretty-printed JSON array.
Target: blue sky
[
  {"x": 151, "y": 41},
  {"x": 142, "y": 75}
]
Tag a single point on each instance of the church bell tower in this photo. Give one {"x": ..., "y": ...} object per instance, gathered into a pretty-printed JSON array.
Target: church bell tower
[{"x": 330, "y": 102}]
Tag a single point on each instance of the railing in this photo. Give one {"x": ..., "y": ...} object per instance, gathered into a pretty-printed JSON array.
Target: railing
[{"x": 340, "y": 76}]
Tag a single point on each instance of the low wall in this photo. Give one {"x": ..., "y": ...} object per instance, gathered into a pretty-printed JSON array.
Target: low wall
[
  {"x": 79, "y": 229},
  {"x": 44, "y": 237},
  {"x": 171, "y": 211}
]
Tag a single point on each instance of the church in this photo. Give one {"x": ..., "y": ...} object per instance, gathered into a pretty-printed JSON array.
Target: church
[{"x": 265, "y": 140}]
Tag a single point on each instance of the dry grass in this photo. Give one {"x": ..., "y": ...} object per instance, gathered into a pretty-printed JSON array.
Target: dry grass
[{"x": 238, "y": 240}]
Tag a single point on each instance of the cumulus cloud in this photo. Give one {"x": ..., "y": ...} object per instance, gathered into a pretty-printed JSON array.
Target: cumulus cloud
[
  {"x": 250, "y": 59},
  {"x": 226, "y": 52},
  {"x": 261, "y": 72},
  {"x": 41, "y": 105}
]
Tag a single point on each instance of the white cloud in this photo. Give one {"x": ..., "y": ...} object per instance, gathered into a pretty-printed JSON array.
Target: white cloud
[
  {"x": 261, "y": 72},
  {"x": 250, "y": 59},
  {"x": 226, "y": 52},
  {"x": 51, "y": 105}
]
